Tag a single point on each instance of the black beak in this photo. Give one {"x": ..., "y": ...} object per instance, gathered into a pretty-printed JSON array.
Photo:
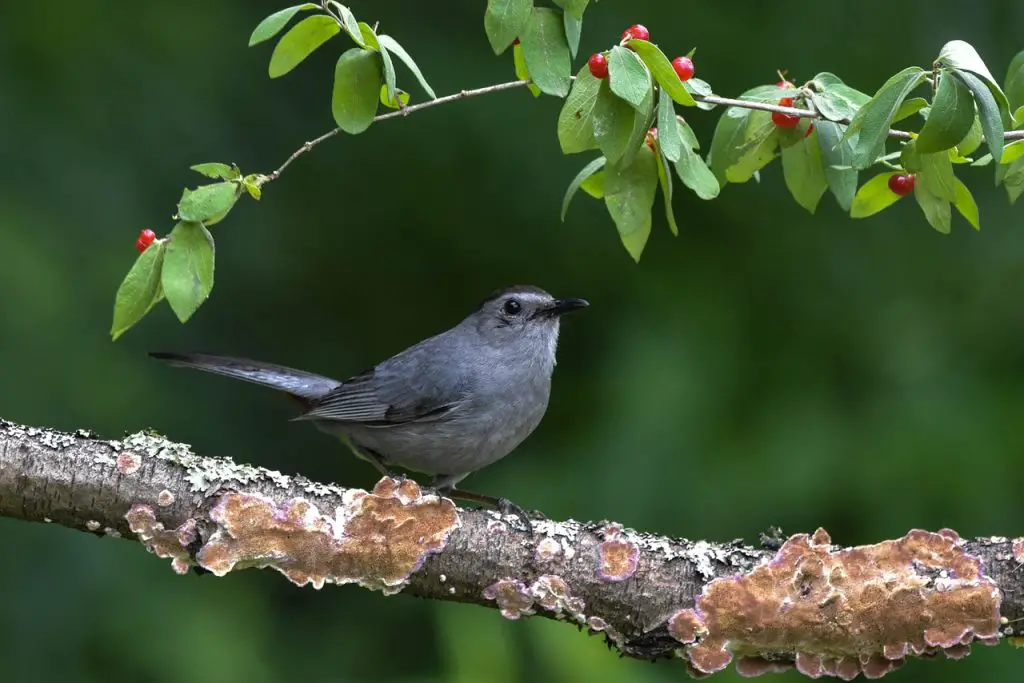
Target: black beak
[{"x": 561, "y": 306}]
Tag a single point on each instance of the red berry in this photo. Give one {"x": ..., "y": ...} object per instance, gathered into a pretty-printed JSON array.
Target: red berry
[
  {"x": 785, "y": 120},
  {"x": 902, "y": 184},
  {"x": 146, "y": 238},
  {"x": 683, "y": 67},
  {"x": 784, "y": 84},
  {"x": 598, "y": 64},
  {"x": 637, "y": 32},
  {"x": 810, "y": 129}
]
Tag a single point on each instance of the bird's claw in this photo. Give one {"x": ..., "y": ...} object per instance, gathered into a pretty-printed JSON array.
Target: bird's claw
[{"x": 507, "y": 507}]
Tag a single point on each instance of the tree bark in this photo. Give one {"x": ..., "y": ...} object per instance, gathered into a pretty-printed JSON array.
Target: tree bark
[{"x": 792, "y": 601}]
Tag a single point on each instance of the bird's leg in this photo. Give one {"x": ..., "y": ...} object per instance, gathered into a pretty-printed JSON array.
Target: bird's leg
[
  {"x": 374, "y": 458},
  {"x": 504, "y": 505}
]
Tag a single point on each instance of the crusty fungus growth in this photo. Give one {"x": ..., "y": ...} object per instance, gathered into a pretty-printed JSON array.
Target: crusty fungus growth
[
  {"x": 844, "y": 612},
  {"x": 128, "y": 462},
  {"x": 618, "y": 556},
  {"x": 375, "y": 539},
  {"x": 172, "y": 543},
  {"x": 550, "y": 592},
  {"x": 165, "y": 498}
]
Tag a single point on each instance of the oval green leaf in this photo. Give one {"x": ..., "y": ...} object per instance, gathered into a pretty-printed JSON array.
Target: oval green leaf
[
  {"x": 357, "y": 80},
  {"x": 629, "y": 196},
  {"x": 962, "y": 56},
  {"x": 575, "y": 120},
  {"x": 523, "y": 73},
  {"x": 696, "y": 175},
  {"x": 988, "y": 112},
  {"x": 612, "y": 123},
  {"x": 208, "y": 203},
  {"x": 936, "y": 209},
  {"x": 272, "y": 25},
  {"x": 874, "y": 196},
  {"x": 842, "y": 181},
  {"x": 217, "y": 170},
  {"x": 966, "y": 205},
  {"x": 573, "y": 8},
  {"x": 504, "y": 21},
  {"x": 951, "y": 115},
  {"x": 627, "y": 76},
  {"x": 139, "y": 291},
  {"x": 300, "y": 42},
  {"x": 547, "y": 52},
  {"x": 349, "y": 22},
  {"x": 391, "y": 45},
  {"x": 1014, "y": 85},
  {"x": 188, "y": 268},
  {"x": 872, "y": 121},
  {"x": 573, "y": 30},
  {"x": 728, "y": 136},
  {"x": 804, "y": 174},
  {"x": 669, "y": 139},
  {"x": 665, "y": 180},
  {"x": 587, "y": 171},
  {"x": 661, "y": 68}
]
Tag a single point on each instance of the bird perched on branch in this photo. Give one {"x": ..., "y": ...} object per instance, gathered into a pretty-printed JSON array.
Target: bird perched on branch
[{"x": 448, "y": 406}]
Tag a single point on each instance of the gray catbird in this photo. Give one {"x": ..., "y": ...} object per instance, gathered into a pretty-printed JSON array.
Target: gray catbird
[{"x": 447, "y": 406}]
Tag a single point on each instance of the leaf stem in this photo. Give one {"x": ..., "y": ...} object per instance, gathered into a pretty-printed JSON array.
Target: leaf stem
[{"x": 476, "y": 92}]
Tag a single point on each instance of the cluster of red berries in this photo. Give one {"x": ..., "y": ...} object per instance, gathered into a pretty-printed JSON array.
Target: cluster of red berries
[
  {"x": 902, "y": 184},
  {"x": 598, "y": 63},
  {"x": 785, "y": 120},
  {"x": 146, "y": 238}
]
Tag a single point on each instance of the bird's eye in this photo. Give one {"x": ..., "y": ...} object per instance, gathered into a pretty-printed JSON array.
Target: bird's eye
[{"x": 512, "y": 307}]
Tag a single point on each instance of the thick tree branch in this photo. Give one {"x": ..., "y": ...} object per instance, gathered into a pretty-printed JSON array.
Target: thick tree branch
[{"x": 799, "y": 601}]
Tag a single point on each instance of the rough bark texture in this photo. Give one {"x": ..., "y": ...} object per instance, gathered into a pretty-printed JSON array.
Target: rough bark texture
[{"x": 798, "y": 602}]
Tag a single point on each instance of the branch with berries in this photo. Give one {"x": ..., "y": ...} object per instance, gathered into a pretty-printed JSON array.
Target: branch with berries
[{"x": 622, "y": 103}]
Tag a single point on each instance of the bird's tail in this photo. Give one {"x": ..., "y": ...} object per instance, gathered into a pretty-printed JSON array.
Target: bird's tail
[{"x": 304, "y": 386}]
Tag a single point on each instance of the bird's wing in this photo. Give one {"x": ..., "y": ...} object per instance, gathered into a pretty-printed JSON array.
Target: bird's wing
[{"x": 381, "y": 399}]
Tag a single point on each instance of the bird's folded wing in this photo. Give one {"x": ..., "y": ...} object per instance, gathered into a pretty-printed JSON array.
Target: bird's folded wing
[{"x": 373, "y": 400}]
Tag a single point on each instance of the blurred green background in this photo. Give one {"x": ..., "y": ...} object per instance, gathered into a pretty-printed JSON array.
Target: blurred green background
[{"x": 765, "y": 367}]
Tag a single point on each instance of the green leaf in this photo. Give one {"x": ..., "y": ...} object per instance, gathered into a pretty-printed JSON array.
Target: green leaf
[
  {"x": 757, "y": 150},
  {"x": 629, "y": 197},
  {"x": 936, "y": 173},
  {"x": 504, "y": 20},
  {"x": 575, "y": 120},
  {"x": 272, "y": 25},
  {"x": 139, "y": 291},
  {"x": 804, "y": 174},
  {"x": 643, "y": 119},
  {"x": 1014, "y": 84},
  {"x": 910, "y": 107},
  {"x": 950, "y": 118},
  {"x": 841, "y": 181},
  {"x": 391, "y": 45},
  {"x": 728, "y": 136},
  {"x": 874, "y": 196},
  {"x": 573, "y": 8},
  {"x": 216, "y": 170},
  {"x": 972, "y": 140},
  {"x": 1013, "y": 179},
  {"x": 573, "y": 30},
  {"x": 1012, "y": 152},
  {"x": 665, "y": 180},
  {"x": 966, "y": 205},
  {"x": 369, "y": 36},
  {"x": 988, "y": 112},
  {"x": 349, "y": 22},
  {"x": 697, "y": 87},
  {"x": 188, "y": 268},
  {"x": 208, "y": 203},
  {"x": 357, "y": 81},
  {"x": 400, "y": 97},
  {"x": 695, "y": 174},
  {"x": 660, "y": 67},
  {"x": 872, "y": 121},
  {"x": 687, "y": 134},
  {"x": 962, "y": 56},
  {"x": 936, "y": 209},
  {"x": 253, "y": 185},
  {"x": 522, "y": 73},
  {"x": 835, "y": 100},
  {"x": 613, "y": 122},
  {"x": 547, "y": 52},
  {"x": 389, "y": 74},
  {"x": 628, "y": 77},
  {"x": 594, "y": 185},
  {"x": 669, "y": 139},
  {"x": 587, "y": 171},
  {"x": 300, "y": 42}
]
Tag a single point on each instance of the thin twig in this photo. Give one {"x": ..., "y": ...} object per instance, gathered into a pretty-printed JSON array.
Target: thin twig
[{"x": 1008, "y": 136}]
